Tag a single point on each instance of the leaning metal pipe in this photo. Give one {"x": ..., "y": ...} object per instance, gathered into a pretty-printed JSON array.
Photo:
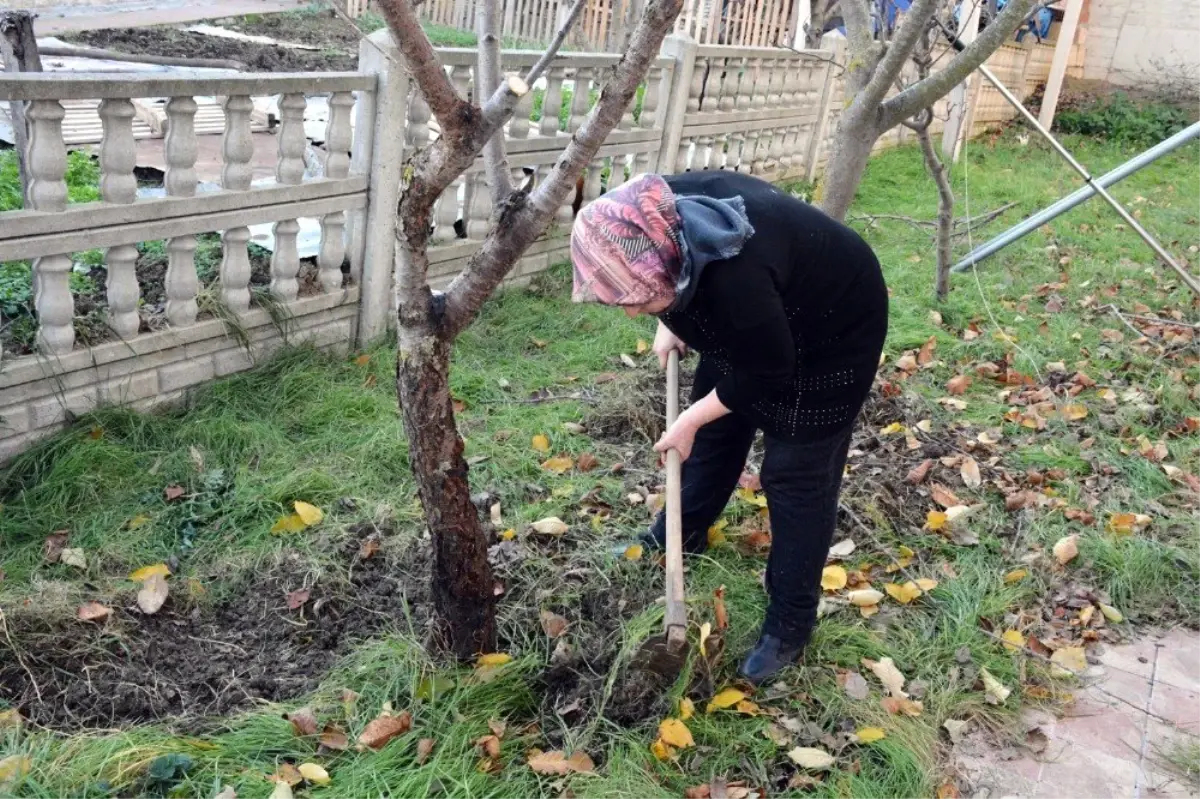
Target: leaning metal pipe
[
  {"x": 1127, "y": 217},
  {"x": 1078, "y": 197}
]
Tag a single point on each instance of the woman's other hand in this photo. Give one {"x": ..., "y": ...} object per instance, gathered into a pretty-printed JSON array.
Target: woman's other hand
[
  {"x": 679, "y": 437},
  {"x": 664, "y": 342}
]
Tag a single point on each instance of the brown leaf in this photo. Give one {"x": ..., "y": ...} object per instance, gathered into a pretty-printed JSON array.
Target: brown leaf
[
  {"x": 384, "y": 728},
  {"x": 919, "y": 472},
  {"x": 957, "y": 386},
  {"x": 553, "y": 624},
  {"x": 424, "y": 749},
  {"x": 489, "y": 745},
  {"x": 304, "y": 721},
  {"x": 153, "y": 594},
  {"x": 970, "y": 473},
  {"x": 93, "y": 611},
  {"x": 719, "y": 608},
  {"x": 288, "y": 774},
  {"x": 368, "y": 548},
  {"x": 697, "y": 792},
  {"x": 925, "y": 356},
  {"x": 943, "y": 496},
  {"x": 557, "y": 763},
  {"x": 55, "y": 542},
  {"x": 587, "y": 461},
  {"x": 333, "y": 737},
  {"x": 297, "y": 598},
  {"x": 497, "y": 727},
  {"x": 173, "y": 492},
  {"x": 855, "y": 685}
]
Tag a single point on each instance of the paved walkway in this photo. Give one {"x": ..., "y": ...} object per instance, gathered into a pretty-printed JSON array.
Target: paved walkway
[{"x": 1142, "y": 700}]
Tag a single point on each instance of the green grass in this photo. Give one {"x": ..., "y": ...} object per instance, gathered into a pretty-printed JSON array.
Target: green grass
[{"x": 320, "y": 428}]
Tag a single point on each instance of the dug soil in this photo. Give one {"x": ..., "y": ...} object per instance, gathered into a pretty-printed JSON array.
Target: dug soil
[{"x": 187, "y": 663}]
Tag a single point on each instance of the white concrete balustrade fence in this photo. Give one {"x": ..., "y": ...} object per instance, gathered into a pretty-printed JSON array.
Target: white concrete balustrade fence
[{"x": 766, "y": 111}]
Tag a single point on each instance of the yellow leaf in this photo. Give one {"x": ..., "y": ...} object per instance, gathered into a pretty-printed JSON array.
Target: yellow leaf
[
  {"x": 541, "y": 443},
  {"x": 492, "y": 660},
  {"x": 309, "y": 514},
  {"x": 903, "y": 593},
  {"x": 864, "y": 597},
  {"x": 292, "y": 523},
  {"x": 705, "y": 632},
  {"x": 1070, "y": 661},
  {"x": 725, "y": 699},
  {"x": 1013, "y": 640},
  {"x": 927, "y": 584},
  {"x": 314, "y": 773},
  {"x": 1074, "y": 412},
  {"x": 994, "y": 691},
  {"x": 716, "y": 534},
  {"x": 686, "y": 708},
  {"x": 1066, "y": 549},
  {"x": 509, "y": 534},
  {"x": 747, "y": 708},
  {"x": 1126, "y": 523},
  {"x": 935, "y": 520},
  {"x": 746, "y": 495},
  {"x": 140, "y": 575},
  {"x": 675, "y": 733},
  {"x": 14, "y": 767},
  {"x": 833, "y": 578},
  {"x": 809, "y": 758},
  {"x": 642, "y": 346},
  {"x": 1111, "y": 613},
  {"x": 558, "y": 464},
  {"x": 633, "y": 552},
  {"x": 137, "y": 521},
  {"x": 661, "y": 751},
  {"x": 869, "y": 735},
  {"x": 891, "y": 429},
  {"x": 905, "y": 552},
  {"x": 551, "y": 525},
  {"x": 1015, "y": 576}
]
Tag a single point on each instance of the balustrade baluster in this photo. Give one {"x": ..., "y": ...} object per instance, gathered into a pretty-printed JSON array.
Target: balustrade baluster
[
  {"x": 47, "y": 164},
  {"x": 447, "y": 214},
  {"x": 757, "y": 74},
  {"x": 237, "y": 147},
  {"x": 552, "y": 101},
  {"x": 181, "y": 284},
  {"x": 518, "y": 128},
  {"x": 649, "y": 114},
  {"x": 118, "y": 185},
  {"x": 696, "y": 89},
  {"x": 289, "y": 170},
  {"x": 703, "y": 157},
  {"x": 713, "y": 67},
  {"x": 591, "y": 184},
  {"x": 581, "y": 98},
  {"x": 480, "y": 214},
  {"x": 332, "y": 251},
  {"x": 729, "y": 83}
]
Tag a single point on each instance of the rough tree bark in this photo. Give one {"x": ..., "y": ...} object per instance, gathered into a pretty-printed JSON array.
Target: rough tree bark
[
  {"x": 873, "y": 67},
  {"x": 428, "y": 322}
]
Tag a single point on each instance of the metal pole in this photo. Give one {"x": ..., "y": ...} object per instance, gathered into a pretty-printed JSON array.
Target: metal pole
[
  {"x": 1078, "y": 197},
  {"x": 1162, "y": 254}
]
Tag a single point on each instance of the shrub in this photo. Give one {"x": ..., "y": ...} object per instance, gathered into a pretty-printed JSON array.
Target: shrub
[{"x": 1119, "y": 118}]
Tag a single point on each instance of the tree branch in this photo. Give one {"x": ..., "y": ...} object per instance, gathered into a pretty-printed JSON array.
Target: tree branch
[
  {"x": 927, "y": 91},
  {"x": 560, "y": 36},
  {"x": 898, "y": 50},
  {"x": 452, "y": 112},
  {"x": 858, "y": 26},
  {"x": 526, "y": 217},
  {"x": 495, "y": 157}
]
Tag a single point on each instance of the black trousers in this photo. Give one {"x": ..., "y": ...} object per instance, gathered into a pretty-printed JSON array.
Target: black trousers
[{"x": 801, "y": 481}]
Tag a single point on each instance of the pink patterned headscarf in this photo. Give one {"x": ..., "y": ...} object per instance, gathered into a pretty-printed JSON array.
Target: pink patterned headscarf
[{"x": 625, "y": 247}]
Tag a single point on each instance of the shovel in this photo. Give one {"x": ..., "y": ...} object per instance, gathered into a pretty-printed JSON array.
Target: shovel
[{"x": 665, "y": 654}]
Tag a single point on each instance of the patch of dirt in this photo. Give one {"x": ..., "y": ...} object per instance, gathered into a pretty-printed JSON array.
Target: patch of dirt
[
  {"x": 338, "y": 44},
  {"x": 632, "y": 407},
  {"x": 187, "y": 663}
]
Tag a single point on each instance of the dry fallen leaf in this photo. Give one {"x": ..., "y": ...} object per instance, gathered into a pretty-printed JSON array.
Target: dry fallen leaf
[
  {"x": 287, "y": 774},
  {"x": 226, "y": 793},
  {"x": 1066, "y": 549},
  {"x": 943, "y": 496},
  {"x": 869, "y": 735},
  {"x": 925, "y": 355},
  {"x": 725, "y": 699},
  {"x": 956, "y": 728},
  {"x": 304, "y": 721},
  {"x": 958, "y": 385},
  {"x": 919, "y": 472},
  {"x": 492, "y": 660},
  {"x": 675, "y": 733},
  {"x": 719, "y": 611},
  {"x": 309, "y": 514},
  {"x": 896, "y": 706},
  {"x": 855, "y": 686},
  {"x": 904, "y": 594},
  {"x": 173, "y": 492},
  {"x": 553, "y": 624},
  {"x": 587, "y": 462},
  {"x": 970, "y": 473},
  {"x": 833, "y": 578},
  {"x": 292, "y": 523},
  {"x": 633, "y": 552},
  {"x": 313, "y": 773},
  {"x": 628, "y": 360},
  {"x": 540, "y": 443},
  {"x": 1015, "y": 576},
  {"x": 1069, "y": 661},
  {"x": 93, "y": 611},
  {"x": 551, "y": 525},
  {"x": 297, "y": 598},
  {"x": 686, "y": 708},
  {"x": 994, "y": 691},
  {"x": 661, "y": 751},
  {"x": 812, "y": 759},
  {"x": 935, "y": 520},
  {"x": 864, "y": 597},
  {"x": 424, "y": 749},
  {"x": 558, "y": 464},
  {"x": 1111, "y": 613},
  {"x": 1013, "y": 640},
  {"x": 889, "y": 675},
  {"x": 842, "y": 549},
  {"x": 73, "y": 557},
  {"x": 334, "y": 737},
  {"x": 384, "y": 728},
  {"x": 558, "y": 763},
  {"x": 489, "y": 745},
  {"x": 153, "y": 594},
  {"x": 282, "y": 790}
]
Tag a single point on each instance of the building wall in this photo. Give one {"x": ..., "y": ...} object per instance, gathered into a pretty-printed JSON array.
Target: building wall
[{"x": 1134, "y": 42}]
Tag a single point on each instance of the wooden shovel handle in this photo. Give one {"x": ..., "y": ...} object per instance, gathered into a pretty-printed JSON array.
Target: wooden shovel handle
[{"x": 675, "y": 620}]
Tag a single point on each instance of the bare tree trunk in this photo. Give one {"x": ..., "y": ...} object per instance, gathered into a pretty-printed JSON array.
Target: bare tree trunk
[
  {"x": 856, "y": 135},
  {"x": 945, "y": 216},
  {"x": 19, "y": 53}
]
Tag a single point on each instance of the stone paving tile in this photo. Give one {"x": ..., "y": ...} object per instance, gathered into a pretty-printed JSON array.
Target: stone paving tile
[
  {"x": 1179, "y": 706},
  {"x": 1079, "y": 771}
]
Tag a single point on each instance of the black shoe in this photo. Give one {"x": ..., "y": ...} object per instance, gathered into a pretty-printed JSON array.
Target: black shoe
[{"x": 770, "y": 656}]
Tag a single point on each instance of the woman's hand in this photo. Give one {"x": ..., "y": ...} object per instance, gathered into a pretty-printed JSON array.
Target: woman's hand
[
  {"x": 679, "y": 437},
  {"x": 664, "y": 342}
]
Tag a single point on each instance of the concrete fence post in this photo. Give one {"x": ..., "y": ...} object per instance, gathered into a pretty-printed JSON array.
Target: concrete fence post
[
  {"x": 682, "y": 49},
  {"x": 378, "y": 150},
  {"x": 837, "y": 45}
]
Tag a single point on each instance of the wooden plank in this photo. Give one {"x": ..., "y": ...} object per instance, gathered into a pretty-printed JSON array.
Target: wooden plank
[{"x": 1058, "y": 66}]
